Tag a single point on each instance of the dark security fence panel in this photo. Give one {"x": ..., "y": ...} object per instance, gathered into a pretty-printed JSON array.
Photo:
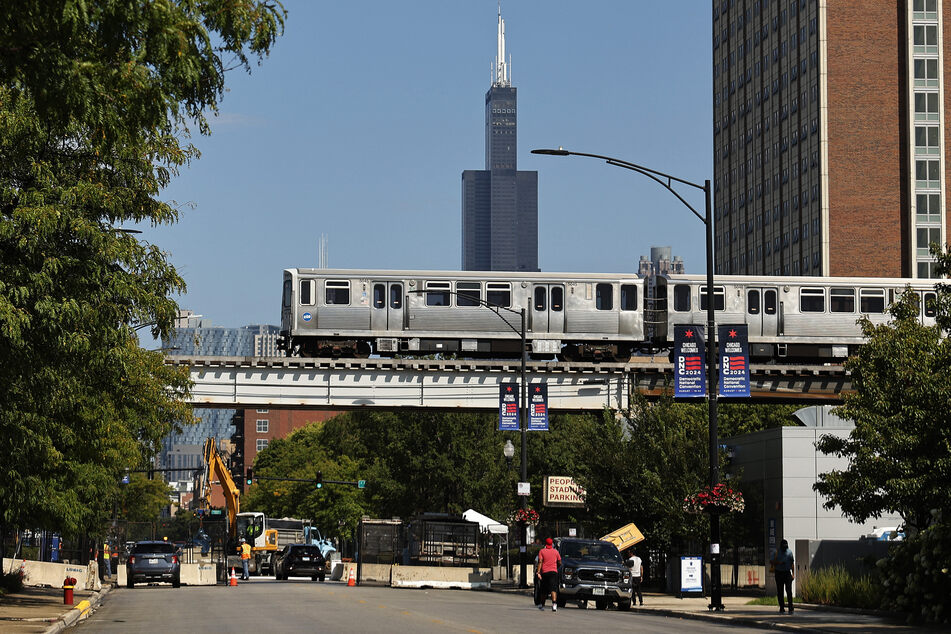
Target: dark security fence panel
[
  {"x": 443, "y": 540},
  {"x": 381, "y": 541}
]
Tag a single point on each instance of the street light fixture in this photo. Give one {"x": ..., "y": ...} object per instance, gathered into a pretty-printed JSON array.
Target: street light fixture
[
  {"x": 667, "y": 182},
  {"x": 523, "y": 424},
  {"x": 508, "y": 450}
]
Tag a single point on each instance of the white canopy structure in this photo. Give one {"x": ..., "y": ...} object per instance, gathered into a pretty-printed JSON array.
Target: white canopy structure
[{"x": 486, "y": 523}]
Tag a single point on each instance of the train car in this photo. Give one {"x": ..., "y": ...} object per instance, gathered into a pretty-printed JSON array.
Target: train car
[
  {"x": 789, "y": 318},
  {"x": 472, "y": 314}
]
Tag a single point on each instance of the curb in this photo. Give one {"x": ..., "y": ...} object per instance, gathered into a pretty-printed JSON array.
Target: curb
[
  {"x": 732, "y": 620},
  {"x": 80, "y": 611}
]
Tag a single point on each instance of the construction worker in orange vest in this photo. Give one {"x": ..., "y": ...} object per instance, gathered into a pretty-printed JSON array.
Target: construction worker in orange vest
[{"x": 245, "y": 549}]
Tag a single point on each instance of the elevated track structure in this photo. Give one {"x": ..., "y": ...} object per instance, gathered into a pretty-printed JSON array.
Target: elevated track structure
[{"x": 341, "y": 384}]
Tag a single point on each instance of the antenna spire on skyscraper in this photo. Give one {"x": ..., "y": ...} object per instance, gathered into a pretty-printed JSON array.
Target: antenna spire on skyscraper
[{"x": 501, "y": 67}]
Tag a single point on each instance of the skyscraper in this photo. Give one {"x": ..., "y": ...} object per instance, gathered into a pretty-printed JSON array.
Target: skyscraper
[
  {"x": 500, "y": 203},
  {"x": 829, "y": 143}
]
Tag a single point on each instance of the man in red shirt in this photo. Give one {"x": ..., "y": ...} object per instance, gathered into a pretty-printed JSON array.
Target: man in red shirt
[{"x": 546, "y": 574}]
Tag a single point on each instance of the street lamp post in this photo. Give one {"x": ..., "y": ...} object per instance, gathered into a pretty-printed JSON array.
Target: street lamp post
[
  {"x": 667, "y": 181},
  {"x": 523, "y": 424}
]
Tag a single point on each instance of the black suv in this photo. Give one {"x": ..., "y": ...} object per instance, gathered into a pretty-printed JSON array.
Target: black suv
[
  {"x": 300, "y": 560},
  {"x": 593, "y": 570},
  {"x": 151, "y": 561}
]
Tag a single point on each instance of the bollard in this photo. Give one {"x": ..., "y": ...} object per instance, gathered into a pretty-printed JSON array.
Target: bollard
[{"x": 68, "y": 584}]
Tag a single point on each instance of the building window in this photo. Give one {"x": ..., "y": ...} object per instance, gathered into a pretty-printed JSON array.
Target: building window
[
  {"x": 927, "y": 270},
  {"x": 927, "y": 140},
  {"x": 927, "y": 235},
  {"x": 926, "y": 73},
  {"x": 926, "y": 10},
  {"x": 928, "y": 174},
  {"x": 926, "y": 106},
  {"x": 262, "y": 411},
  {"x": 926, "y": 39},
  {"x": 261, "y": 444},
  {"x": 261, "y": 425},
  {"x": 928, "y": 207}
]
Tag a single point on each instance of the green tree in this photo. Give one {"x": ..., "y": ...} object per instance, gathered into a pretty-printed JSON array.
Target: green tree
[
  {"x": 900, "y": 450},
  {"x": 96, "y": 99},
  {"x": 142, "y": 500}
]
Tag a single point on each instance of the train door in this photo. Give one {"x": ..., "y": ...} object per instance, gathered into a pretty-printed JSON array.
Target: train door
[
  {"x": 548, "y": 308},
  {"x": 762, "y": 311},
  {"x": 387, "y": 311}
]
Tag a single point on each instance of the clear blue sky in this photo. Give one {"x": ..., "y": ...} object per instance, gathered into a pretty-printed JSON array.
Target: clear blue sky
[{"x": 361, "y": 121}]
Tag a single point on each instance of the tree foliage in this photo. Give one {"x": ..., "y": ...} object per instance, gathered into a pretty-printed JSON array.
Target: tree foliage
[
  {"x": 96, "y": 99},
  {"x": 900, "y": 450}
]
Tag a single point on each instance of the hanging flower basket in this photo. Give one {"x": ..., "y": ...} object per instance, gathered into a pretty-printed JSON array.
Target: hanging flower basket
[
  {"x": 716, "y": 500},
  {"x": 529, "y": 516}
]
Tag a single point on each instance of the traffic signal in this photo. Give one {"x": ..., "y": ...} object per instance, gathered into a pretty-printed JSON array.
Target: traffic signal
[
  {"x": 319, "y": 479},
  {"x": 250, "y": 476}
]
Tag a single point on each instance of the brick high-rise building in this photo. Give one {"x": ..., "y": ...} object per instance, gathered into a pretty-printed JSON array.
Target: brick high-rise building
[{"x": 829, "y": 136}]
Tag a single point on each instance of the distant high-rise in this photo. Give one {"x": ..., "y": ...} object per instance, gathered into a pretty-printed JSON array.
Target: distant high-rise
[
  {"x": 500, "y": 203},
  {"x": 660, "y": 263}
]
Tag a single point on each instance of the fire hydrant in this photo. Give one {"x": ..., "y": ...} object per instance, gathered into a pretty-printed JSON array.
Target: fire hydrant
[{"x": 68, "y": 584}]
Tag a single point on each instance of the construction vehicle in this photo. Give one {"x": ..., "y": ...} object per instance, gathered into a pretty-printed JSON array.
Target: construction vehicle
[{"x": 265, "y": 535}]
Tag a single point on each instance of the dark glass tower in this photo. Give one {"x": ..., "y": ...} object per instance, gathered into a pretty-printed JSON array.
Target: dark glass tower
[{"x": 500, "y": 203}]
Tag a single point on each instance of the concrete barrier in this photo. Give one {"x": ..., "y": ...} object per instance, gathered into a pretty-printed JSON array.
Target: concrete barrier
[
  {"x": 440, "y": 577},
  {"x": 191, "y": 575},
  {"x": 52, "y": 574}
]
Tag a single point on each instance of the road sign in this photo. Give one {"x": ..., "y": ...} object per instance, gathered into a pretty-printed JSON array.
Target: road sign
[
  {"x": 524, "y": 488},
  {"x": 361, "y": 484}
]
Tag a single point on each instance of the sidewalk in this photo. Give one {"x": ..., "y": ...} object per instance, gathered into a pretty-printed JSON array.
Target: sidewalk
[
  {"x": 36, "y": 609},
  {"x": 806, "y": 618}
]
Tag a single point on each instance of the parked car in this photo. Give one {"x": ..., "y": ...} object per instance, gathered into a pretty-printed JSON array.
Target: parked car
[
  {"x": 592, "y": 570},
  {"x": 300, "y": 560},
  {"x": 151, "y": 561}
]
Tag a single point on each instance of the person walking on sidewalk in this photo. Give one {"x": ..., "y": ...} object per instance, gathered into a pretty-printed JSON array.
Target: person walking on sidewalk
[
  {"x": 546, "y": 574},
  {"x": 636, "y": 567},
  {"x": 783, "y": 568}
]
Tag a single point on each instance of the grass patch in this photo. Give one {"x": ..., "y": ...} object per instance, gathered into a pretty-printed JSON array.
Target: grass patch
[
  {"x": 769, "y": 600},
  {"x": 837, "y": 586}
]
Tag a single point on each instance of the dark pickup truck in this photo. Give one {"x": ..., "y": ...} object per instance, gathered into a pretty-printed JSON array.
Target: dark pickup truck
[{"x": 592, "y": 570}]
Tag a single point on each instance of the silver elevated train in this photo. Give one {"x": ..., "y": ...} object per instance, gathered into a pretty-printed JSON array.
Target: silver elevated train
[{"x": 477, "y": 314}]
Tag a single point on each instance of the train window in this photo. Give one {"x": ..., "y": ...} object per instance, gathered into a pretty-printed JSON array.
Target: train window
[
  {"x": 769, "y": 302},
  {"x": 752, "y": 302},
  {"x": 557, "y": 298},
  {"x": 337, "y": 292},
  {"x": 306, "y": 292},
  {"x": 681, "y": 298},
  {"x": 498, "y": 293},
  {"x": 379, "y": 295},
  {"x": 286, "y": 299},
  {"x": 931, "y": 304},
  {"x": 541, "y": 294},
  {"x": 628, "y": 297},
  {"x": 718, "y": 298},
  {"x": 842, "y": 300},
  {"x": 437, "y": 293},
  {"x": 603, "y": 297},
  {"x": 396, "y": 296},
  {"x": 468, "y": 293},
  {"x": 872, "y": 300},
  {"x": 812, "y": 300}
]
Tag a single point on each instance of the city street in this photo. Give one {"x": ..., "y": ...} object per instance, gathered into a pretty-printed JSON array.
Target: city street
[{"x": 265, "y": 605}]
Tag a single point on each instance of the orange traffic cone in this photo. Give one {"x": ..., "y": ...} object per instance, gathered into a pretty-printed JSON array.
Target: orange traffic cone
[
  {"x": 352, "y": 578},
  {"x": 233, "y": 581}
]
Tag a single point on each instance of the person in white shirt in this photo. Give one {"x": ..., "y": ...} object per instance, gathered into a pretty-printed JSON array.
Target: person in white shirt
[{"x": 637, "y": 574}]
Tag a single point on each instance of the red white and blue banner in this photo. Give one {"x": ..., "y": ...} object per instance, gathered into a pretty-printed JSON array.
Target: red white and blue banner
[
  {"x": 734, "y": 361},
  {"x": 689, "y": 365},
  {"x": 508, "y": 407},
  {"x": 538, "y": 407}
]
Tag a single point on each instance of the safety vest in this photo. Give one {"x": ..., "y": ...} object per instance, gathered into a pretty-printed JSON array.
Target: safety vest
[{"x": 245, "y": 551}]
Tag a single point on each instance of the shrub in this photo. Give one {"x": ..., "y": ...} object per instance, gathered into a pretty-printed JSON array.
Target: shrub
[
  {"x": 837, "y": 586},
  {"x": 917, "y": 575},
  {"x": 11, "y": 582}
]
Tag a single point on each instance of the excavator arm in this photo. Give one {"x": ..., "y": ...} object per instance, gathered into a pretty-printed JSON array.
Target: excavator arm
[{"x": 215, "y": 472}]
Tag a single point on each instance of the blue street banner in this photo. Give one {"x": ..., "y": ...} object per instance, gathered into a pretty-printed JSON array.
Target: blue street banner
[
  {"x": 734, "y": 361},
  {"x": 508, "y": 407},
  {"x": 538, "y": 407},
  {"x": 689, "y": 381}
]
